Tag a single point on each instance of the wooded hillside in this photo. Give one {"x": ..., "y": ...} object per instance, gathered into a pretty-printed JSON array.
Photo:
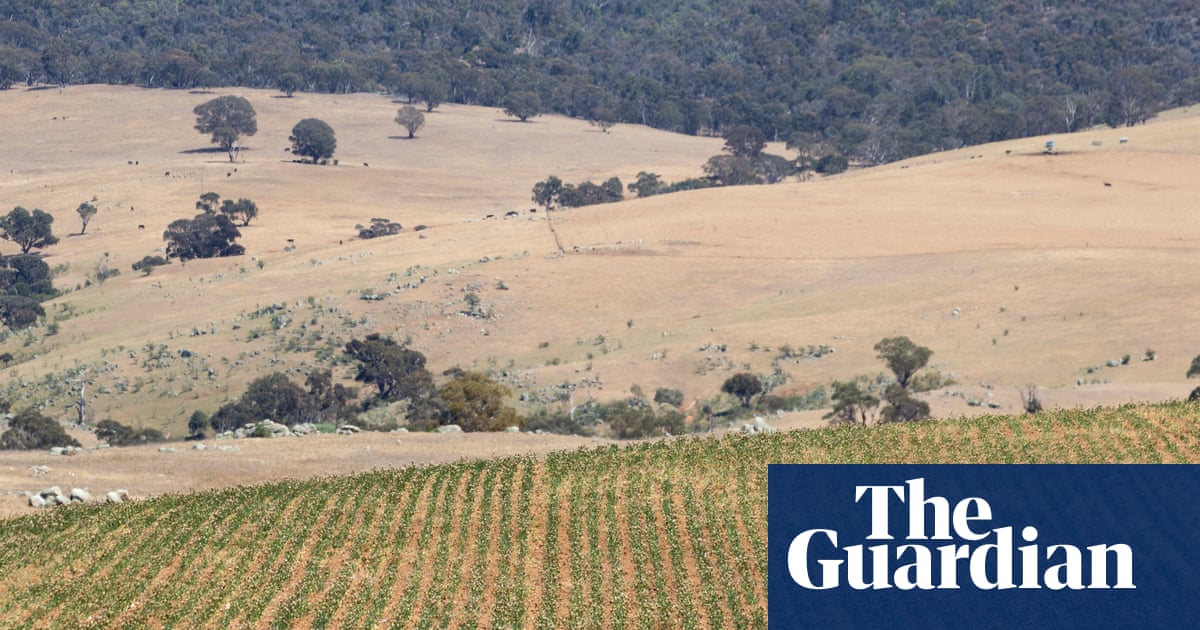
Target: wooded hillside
[{"x": 872, "y": 81}]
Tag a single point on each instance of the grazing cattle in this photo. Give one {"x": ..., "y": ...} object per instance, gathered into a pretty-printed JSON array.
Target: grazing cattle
[
  {"x": 490, "y": 216},
  {"x": 511, "y": 213},
  {"x": 291, "y": 241},
  {"x": 141, "y": 227}
]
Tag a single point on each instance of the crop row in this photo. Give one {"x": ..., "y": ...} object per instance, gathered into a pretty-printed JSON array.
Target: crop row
[{"x": 659, "y": 534}]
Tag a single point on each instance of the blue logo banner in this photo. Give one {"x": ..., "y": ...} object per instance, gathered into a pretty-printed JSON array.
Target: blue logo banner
[{"x": 984, "y": 546}]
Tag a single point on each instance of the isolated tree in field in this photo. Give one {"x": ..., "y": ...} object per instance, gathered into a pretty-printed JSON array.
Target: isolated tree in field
[
  {"x": 289, "y": 82},
  {"x": 903, "y": 357},
  {"x": 411, "y": 119},
  {"x": 205, "y": 236},
  {"x": 85, "y": 211},
  {"x": 603, "y": 118},
  {"x": 227, "y": 119},
  {"x": 476, "y": 403},
  {"x": 241, "y": 210},
  {"x": 851, "y": 404},
  {"x": 522, "y": 105},
  {"x": 744, "y": 385},
  {"x": 313, "y": 138},
  {"x": 27, "y": 229}
]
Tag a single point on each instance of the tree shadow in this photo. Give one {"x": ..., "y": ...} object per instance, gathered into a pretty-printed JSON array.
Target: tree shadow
[
  {"x": 404, "y": 137},
  {"x": 204, "y": 150}
]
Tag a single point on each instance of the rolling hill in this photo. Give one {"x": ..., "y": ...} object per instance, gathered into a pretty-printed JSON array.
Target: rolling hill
[{"x": 1015, "y": 266}]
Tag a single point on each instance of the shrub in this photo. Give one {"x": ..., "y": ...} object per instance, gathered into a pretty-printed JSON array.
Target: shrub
[
  {"x": 26, "y": 275},
  {"x": 476, "y": 403},
  {"x": 743, "y": 385},
  {"x": 20, "y": 312},
  {"x": 664, "y": 396},
  {"x": 771, "y": 403},
  {"x": 930, "y": 380},
  {"x": 631, "y": 421},
  {"x": 198, "y": 424},
  {"x": 901, "y": 406},
  {"x": 554, "y": 421},
  {"x": 148, "y": 263},
  {"x": 380, "y": 227},
  {"x": 117, "y": 434},
  {"x": 30, "y": 430}
]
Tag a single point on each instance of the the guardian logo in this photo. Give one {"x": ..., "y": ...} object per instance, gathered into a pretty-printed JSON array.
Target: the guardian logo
[
  {"x": 948, "y": 546},
  {"x": 983, "y": 546}
]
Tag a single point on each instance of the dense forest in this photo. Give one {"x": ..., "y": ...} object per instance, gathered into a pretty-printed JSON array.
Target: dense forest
[{"x": 869, "y": 80}]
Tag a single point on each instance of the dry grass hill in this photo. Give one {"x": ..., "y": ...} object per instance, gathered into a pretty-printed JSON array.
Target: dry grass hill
[{"x": 1016, "y": 267}]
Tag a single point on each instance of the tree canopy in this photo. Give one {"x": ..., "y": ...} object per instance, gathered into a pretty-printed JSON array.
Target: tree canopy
[
  {"x": 523, "y": 105},
  {"x": 28, "y": 229},
  {"x": 227, "y": 119},
  {"x": 30, "y": 430},
  {"x": 313, "y": 138},
  {"x": 860, "y": 80},
  {"x": 903, "y": 357},
  {"x": 86, "y": 211},
  {"x": 242, "y": 210},
  {"x": 205, "y": 236},
  {"x": 476, "y": 403},
  {"x": 411, "y": 119},
  {"x": 744, "y": 385}
]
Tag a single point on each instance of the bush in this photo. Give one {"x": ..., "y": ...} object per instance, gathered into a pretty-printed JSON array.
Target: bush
[
  {"x": 26, "y": 275},
  {"x": 771, "y": 403},
  {"x": 930, "y": 380},
  {"x": 30, "y": 430},
  {"x": 20, "y": 312},
  {"x": 148, "y": 263},
  {"x": 380, "y": 227},
  {"x": 117, "y": 434},
  {"x": 631, "y": 421},
  {"x": 557, "y": 421},
  {"x": 901, "y": 406},
  {"x": 664, "y": 396},
  {"x": 476, "y": 403}
]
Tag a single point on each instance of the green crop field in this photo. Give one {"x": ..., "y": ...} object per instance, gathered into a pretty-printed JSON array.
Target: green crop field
[{"x": 660, "y": 534}]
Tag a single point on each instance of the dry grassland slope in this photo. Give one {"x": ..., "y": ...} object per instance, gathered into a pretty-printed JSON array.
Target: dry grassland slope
[{"x": 1015, "y": 266}]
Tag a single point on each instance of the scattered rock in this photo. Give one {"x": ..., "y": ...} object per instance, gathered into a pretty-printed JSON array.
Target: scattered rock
[
  {"x": 79, "y": 495},
  {"x": 513, "y": 429},
  {"x": 167, "y": 449},
  {"x": 348, "y": 429},
  {"x": 450, "y": 428},
  {"x": 36, "y": 500}
]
